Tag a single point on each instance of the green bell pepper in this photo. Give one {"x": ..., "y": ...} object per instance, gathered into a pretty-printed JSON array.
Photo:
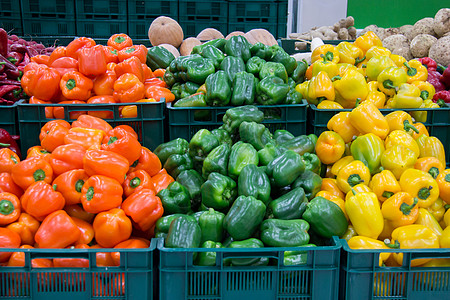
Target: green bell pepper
[
  {"x": 312, "y": 162},
  {"x": 280, "y": 56},
  {"x": 291, "y": 84},
  {"x": 253, "y": 181},
  {"x": 235, "y": 116},
  {"x": 182, "y": 90},
  {"x": 289, "y": 206},
  {"x": 238, "y": 46},
  {"x": 192, "y": 181},
  {"x": 218, "y": 191},
  {"x": 218, "y": 89},
  {"x": 296, "y": 258},
  {"x": 300, "y": 144},
  {"x": 284, "y": 233},
  {"x": 176, "y": 163},
  {"x": 313, "y": 138},
  {"x": 351, "y": 232},
  {"x": 269, "y": 153},
  {"x": 175, "y": 199},
  {"x": 284, "y": 169},
  {"x": 242, "y": 154},
  {"x": 299, "y": 73},
  {"x": 159, "y": 58},
  {"x": 262, "y": 51},
  {"x": 368, "y": 148},
  {"x": 163, "y": 224},
  {"x": 169, "y": 78},
  {"x": 195, "y": 100},
  {"x": 244, "y": 89},
  {"x": 325, "y": 218},
  {"x": 310, "y": 182},
  {"x": 271, "y": 90},
  {"x": 273, "y": 69},
  {"x": 293, "y": 97},
  {"x": 244, "y": 217},
  {"x": 176, "y": 146},
  {"x": 251, "y": 261},
  {"x": 218, "y": 43},
  {"x": 208, "y": 258},
  {"x": 213, "y": 53},
  {"x": 197, "y": 214},
  {"x": 211, "y": 224},
  {"x": 223, "y": 136},
  {"x": 194, "y": 68},
  {"x": 255, "y": 134},
  {"x": 231, "y": 66},
  {"x": 254, "y": 65},
  {"x": 217, "y": 161},
  {"x": 200, "y": 145},
  {"x": 281, "y": 136},
  {"x": 184, "y": 232}
]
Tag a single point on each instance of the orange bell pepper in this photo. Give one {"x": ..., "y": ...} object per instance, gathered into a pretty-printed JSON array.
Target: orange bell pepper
[
  {"x": 128, "y": 88},
  {"x": 8, "y": 185},
  {"x": 340, "y": 123},
  {"x": 129, "y": 244},
  {"x": 131, "y": 111},
  {"x": 7, "y": 160},
  {"x": 148, "y": 161},
  {"x": 104, "y": 83},
  {"x": 26, "y": 227},
  {"x": 40, "y": 200},
  {"x": 40, "y": 59},
  {"x": 139, "y": 51},
  {"x": 69, "y": 184},
  {"x": 144, "y": 208},
  {"x": 101, "y": 193},
  {"x": 147, "y": 72},
  {"x": 367, "y": 41},
  {"x": 38, "y": 151},
  {"x": 52, "y": 134},
  {"x": 9, "y": 208},
  {"x": 58, "y": 111},
  {"x": 72, "y": 262},
  {"x": 422, "y": 130},
  {"x": 41, "y": 82},
  {"x": 77, "y": 211},
  {"x": 76, "y": 86},
  {"x": 124, "y": 143},
  {"x": 158, "y": 93},
  {"x": 330, "y": 185},
  {"x": 59, "y": 52},
  {"x": 136, "y": 181},
  {"x": 65, "y": 65},
  {"x": 86, "y": 229},
  {"x": 155, "y": 81},
  {"x": 8, "y": 239},
  {"x": 131, "y": 65},
  {"x": 58, "y": 230},
  {"x": 87, "y": 121},
  {"x": 111, "y": 54},
  {"x": 85, "y": 137},
  {"x": 103, "y": 114},
  {"x": 162, "y": 180},
  {"x": 159, "y": 73},
  {"x": 103, "y": 259},
  {"x": 17, "y": 259},
  {"x": 431, "y": 165},
  {"x": 443, "y": 181},
  {"x": 111, "y": 66},
  {"x": 30, "y": 171},
  {"x": 330, "y": 147},
  {"x": 48, "y": 109},
  {"x": 112, "y": 227},
  {"x": 92, "y": 61},
  {"x": 401, "y": 209},
  {"x": 119, "y": 41},
  {"x": 74, "y": 47},
  {"x": 107, "y": 163},
  {"x": 127, "y": 128},
  {"x": 67, "y": 157}
]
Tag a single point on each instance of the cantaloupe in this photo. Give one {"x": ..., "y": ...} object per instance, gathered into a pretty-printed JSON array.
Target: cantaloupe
[
  {"x": 209, "y": 34},
  {"x": 172, "y": 49},
  {"x": 165, "y": 30},
  {"x": 234, "y": 33},
  {"x": 260, "y": 35},
  {"x": 188, "y": 44}
]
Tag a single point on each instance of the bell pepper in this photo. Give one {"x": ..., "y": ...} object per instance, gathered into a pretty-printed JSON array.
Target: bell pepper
[
  {"x": 112, "y": 227},
  {"x": 177, "y": 163},
  {"x": 8, "y": 239},
  {"x": 320, "y": 87},
  {"x": 122, "y": 142},
  {"x": 253, "y": 181},
  {"x": 312, "y": 162},
  {"x": 64, "y": 65},
  {"x": 415, "y": 71},
  {"x": 31, "y": 170},
  {"x": 390, "y": 79},
  {"x": 362, "y": 242},
  {"x": 376, "y": 97},
  {"x": 244, "y": 89},
  {"x": 351, "y": 87},
  {"x": 192, "y": 181},
  {"x": 260, "y": 50},
  {"x": 255, "y": 134},
  {"x": 349, "y": 53},
  {"x": 86, "y": 232},
  {"x": 330, "y": 147},
  {"x": 427, "y": 219},
  {"x": 325, "y": 217},
  {"x": 58, "y": 230},
  {"x": 53, "y": 133},
  {"x": 408, "y": 96},
  {"x": 41, "y": 82},
  {"x": 337, "y": 166},
  {"x": 26, "y": 227},
  {"x": 139, "y": 51},
  {"x": 400, "y": 137},
  {"x": 376, "y": 65},
  {"x": 413, "y": 237},
  {"x": 252, "y": 261},
  {"x": 163, "y": 224},
  {"x": 310, "y": 182},
  {"x": 7, "y": 160},
  {"x": 77, "y": 211},
  {"x": 326, "y": 66},
  {"x": 218, "y": 89},
  {"x": 75, "y": 85},
  {"x": 437, "y": 210},
  {"x": 269, "y": 153},
  {"x": 401, "y": 209},
  {"x": 241, "y": 154},
  {"x": 376, "y": 51},
  {"x": 91, "y": 122},
  {"x": 176, "y": 146},
  {"x": 368, "y": 148},
  {"x": 158, "y": 93},
  {"x": 254, "y": 65},
  {"x": 183, "y": 90},
  {"x": 290, "y": 205},
  {"x": 184, "y": 232},
  {"x": 398, "y": 159},
  {"x": 104, "y": 114},
  {"x": 237, "y": 46},
  {"x": 217, "y": 161},
  {"x": 85, "y": 137},
  {"x": 101, "y": 193},
  {"x": 400, "y": 120},
  {"x": 244, "y": 217},
  {"x": 444, "y": 240},
  {"x": 326, "y": 104},
  {"x": 201, "y": 144},
  {"x": 431, "y": 165},
  {"x": 133, "y": 66},
  {"x": 92, "y": 60},
  {"x": 280, "y": 56},
  {"x": 67, "y": 157},
  {"x": 148, "y": 161},
  {"x": 300, "y": 144},
  {"x": 431, "y": 147},
  {"x": 175, "y": 199},
  {"x": 235, "y": 116},
  {"x": 420, "y": 185},
  {"x": 111, "y": 54},
  {"x": 106, "y": 163},
  {"x": 273, "y": 69},
  {"x": 364, "y": 212},
  {"x": 214, "y": 53},
  {"x": 159, "y": 57},
  {"x": 284, "y": 169},
  {"x": 211, "y": 225},
  {"x": 384, "y": 185},
  {"x": 330, "y": 185},
  {"x": 136, "y": 181},
  {"x": 70, "y": 184},
  {"x": 359, "y": 188},
  {"x": 284, "y": 233},
  {"x": 9, "y": 208},
  {"x": 38, "y": 151},
  {"x": 195, "y": 68},
  {"x": 427, "y": 90},
  {"x": 366, "y": 118},
  {"x": 144, "y": 208},
  {"x": 218, "y": 191},
  {"x": 421, "y": 116},
  {"x": 73, "y": 48},
  {"x": 367, "y": 41},
  {"x": 207, "y": 258},
  {"x": 8, "y": 185},
  {"x": 443, "y": 181},
  {"x": 340, "y": 123},
  {"x": 325, "y": 52},
  {"x": 352, "y": 174},
  {"x": 271, "y": 90},
  {"x": 128, "y": 88}
]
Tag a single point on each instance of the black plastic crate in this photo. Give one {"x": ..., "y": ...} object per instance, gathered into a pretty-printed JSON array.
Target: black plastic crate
[{"x": 11, "y": 17}]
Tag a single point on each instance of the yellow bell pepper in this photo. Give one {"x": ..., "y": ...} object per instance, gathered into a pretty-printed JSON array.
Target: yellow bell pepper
[
  {"x": 443, "y": 181},
  {"x": 414, "y": 236},
  {"x": 377, "y": 98},
  {"x": 427, "y": 90},
  {"x": 367, "y": 41},
  {"x": 422, "y": 115},
  {"x": 444, "y": 240},
  {"x": 437, "y": 262},
  {"x": 325, "y": 52},
  {"x": 447, "y": 218},
  {"x": 398, "y": 60},
  {"x": 408, "y": 96},
  {"x": 366, "y": 118},
  {"x": 302, "y": 88},
  {"x": 397, "y": 159},
  {"x": 320, "y": 88},
  {"x": 343, "y": 67},
  {"x": 415, "y": 71},
  {"x": 437, "y": 209},
  {"x": 384, "y": 185},
  {"x": 330, "y": 185},
  {"x": 400, "y": 120},
  {"x": 431, "y": 146},
  {"x": 421, "y": 185},
  {"x": 375, "y": 51},
  {"x": 330, "y": 147},
  {"x": 352, "y": 174},
  {"x": 327, "y": 104},
  {"x": 425, "y": 218},
  {"x": 349, "y": 53},
  {"x": 337, "y": 166},
  {"x": 362, "y": 242},
  {"x": 350, "y": 87},
  {"x": 431, "y": 165},
  {"x": 422, "y": 130},
  {"x": 400, "y": 137},
  {"x": 326, "y": 66},
  {"x": 387, "y": 230},
  {"x": 401, "y": 209},
  {"x": 341, "y": 124},
  {"x": 363, "y": 210},
  {"x": 390, "y": 79},
  {"x": 359, "y": 188}
]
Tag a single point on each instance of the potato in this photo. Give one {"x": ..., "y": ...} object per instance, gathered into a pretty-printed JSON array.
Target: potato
[
  {"x": 300, "y": 45},
  {"x": 421, "y": 44},
  {"x": 343, "y": 34},
  {"x": 406, "y": 30},
  {"x": 403, "y": 51},
  {"x": 395, "y": 41},
  {"x": 352, "y": 32},
  {"x": 439, "y": 51},
  {"x": 368, "y": 28},
  {"x": 423, "y": 26},
  {"x": 391, "y": 31},
  {"x": 441, "y": 22}
]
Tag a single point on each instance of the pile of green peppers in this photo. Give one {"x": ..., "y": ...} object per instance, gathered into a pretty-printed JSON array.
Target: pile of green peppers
[
  {"x": 231, "y": 72},
  {"x": 240, "y": 186}
]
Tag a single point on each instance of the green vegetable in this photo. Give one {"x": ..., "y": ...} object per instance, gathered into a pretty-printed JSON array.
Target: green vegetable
[
  {"x": 290, "y": 205},
  {"x": 238, "y": 46},
  {"x": 175, "y": 199},
  {"x": 269, "y": 153},
  {"x": 217, "y": 161},
  {"x": 200, "y": 145},
  {"x": 231, "y": 66},
  {"x": 281, "y": 136},
  {"x": 312, "y": 162},
  {"x": 163, "y": 224},
  {"x": 284, "y": 233},
  {"x": 218, "y": 191},
  {"x": 254, "y": 65},
  {"x": 159, "y": 57},
  {"x": 299, "y": 73},
  {"x": 242, "y": 154},
  {"x": 262, "y": 51},
  {"x": 252, "y": 261},
  {"x": 218, "y": 89},
  {"x": 255, "y": 134},
  {"x": 211, "y": 224},
  {"x": 300, "y": 144},
  {"x": 176, "y": 163},
  {"x": 208, "y": 258},
  {"x": 296, "y": 258},
  {"x": 176, "y": 146},
  {"x": 273, "y": 69},
  {"x": 235, "y": 116},
  {"x": 310, "y": 182},
  {"x": 286, "y": 60},
  {"x": 223, "y": 136},
  {"x": 184, "y": 232},
  {"x": 244, "y": 89},
  {"x": 284, "y": 169},
  {"x": 218, "y": 43},
  {"x": 192, "y": 181},
  {"x": 271, "y": 90},
  {"x": 253, "y": 181},
  {"x": 213, "y": 53}
]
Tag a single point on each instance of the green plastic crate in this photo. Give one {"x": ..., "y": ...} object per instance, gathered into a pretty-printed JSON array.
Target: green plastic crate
[
  {"x": 10, "y": 17},
  {"x": 134, "y": 279},
  {"x": 318, "y": 279},
  {"x": 194, "y": 16},
  {"x": 438, "y": 122},
  {"x": 8, "y": 118},
  {"x": 184, "y": 122},
  {"x": 149, "y": 123},
  {"x": 289, "y": 45},
  {"x": 362, "y": 278}
]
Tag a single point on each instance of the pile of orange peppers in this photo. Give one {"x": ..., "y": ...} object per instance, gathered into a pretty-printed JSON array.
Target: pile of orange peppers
[
  {"x": 86, "y": 182},
  {"x": 389, "y": 178},
  {"x": 84, "y": 72}
]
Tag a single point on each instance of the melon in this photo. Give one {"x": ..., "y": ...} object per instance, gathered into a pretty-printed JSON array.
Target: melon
[
  {"x": 260, "y": 35},
  {"x": 234, "y": 33},
  {"x": 165, "y": 30},
  {"x": 172, "y": 49},
  {"x": 188, "y": 44},
  {"x": 209, "y": 34}
]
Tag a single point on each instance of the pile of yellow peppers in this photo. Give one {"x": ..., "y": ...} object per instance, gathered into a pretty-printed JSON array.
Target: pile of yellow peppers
[
  {"x": 342, "y": 76},
  {"x": 389, "y": 178}
]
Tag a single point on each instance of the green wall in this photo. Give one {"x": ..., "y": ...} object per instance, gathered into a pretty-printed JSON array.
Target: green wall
[{"x": 393, "y": 13}]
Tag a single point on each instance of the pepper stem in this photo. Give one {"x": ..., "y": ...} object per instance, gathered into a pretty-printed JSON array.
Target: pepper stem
[
  {"x": 396, "y": 244},
  {"x": 112, "y": 140},
  {"x": 387, "y": 194},
  {"x": 407, "y": 126},
  {"x": 4, "y": 145},
  {"x": 446, "y": 206},
  {"x": 358, "y": 102},
  {"x": 441, "y": 103},
  {"x": 6, "y": 207},
  {"x": 354, "y": 179},
  {"x": 329, "y": 56},
  {"x": 424, "y": 193},
  {"x": 79, "y": 185},
  {"x": 447, "y": 177},
  {"x": 71, "y": 84},
  {"x": 359, "y": 60},
  {"x": 424, "y": 95},
  {"x": 388, "y": 84},
  {"x": 337, "y": 77},
  {"x": 39, "y": 175},
  {"x": 411, "y": 71},
  {"x": 406, "y": 209},
  {"x": 90, "y": 193},
  {"x": 55, "y": 186},
  {"x": 119, "y": 39},
  {"x": 135, "y": 182},
  {"x": 433, "y": 171},
  {"x": 14, "y": 159}
]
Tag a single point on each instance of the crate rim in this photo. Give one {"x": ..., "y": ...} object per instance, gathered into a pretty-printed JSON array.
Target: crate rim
[
  {"x": 314, "y": 108},
  {"x": 169, "y": 106},
  {"x": 22, "y": 102},
  {"x": 347, "y": 248}
]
